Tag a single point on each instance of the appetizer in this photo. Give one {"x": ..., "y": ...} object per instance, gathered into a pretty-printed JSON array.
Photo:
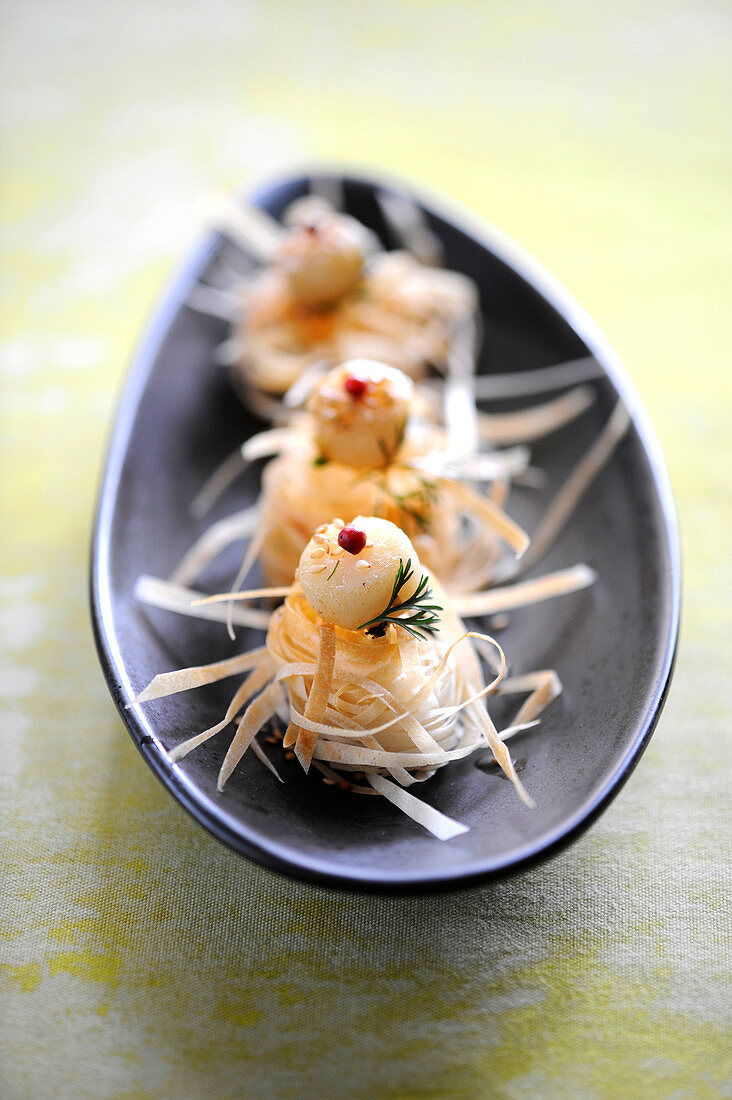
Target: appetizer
[
  {"x": 327, "y": 291},
  {"x": 369, "y": 443},
  {"x": 371, "y": 670}
]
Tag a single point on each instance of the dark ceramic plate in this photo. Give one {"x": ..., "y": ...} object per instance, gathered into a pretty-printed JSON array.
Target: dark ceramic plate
[{"x": 613, "y": 644}]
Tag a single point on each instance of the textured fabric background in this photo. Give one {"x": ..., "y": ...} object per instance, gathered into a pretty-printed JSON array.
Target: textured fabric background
[{"x": 138, "y": 957}]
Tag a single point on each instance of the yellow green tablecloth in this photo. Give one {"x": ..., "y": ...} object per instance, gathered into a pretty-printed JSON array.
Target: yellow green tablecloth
[{"x": 138, "y": 957}]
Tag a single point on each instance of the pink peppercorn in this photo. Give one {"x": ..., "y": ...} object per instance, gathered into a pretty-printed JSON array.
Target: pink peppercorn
[
  {"x": 355, "y": 386},
  {"x": 351, "y": 539}
]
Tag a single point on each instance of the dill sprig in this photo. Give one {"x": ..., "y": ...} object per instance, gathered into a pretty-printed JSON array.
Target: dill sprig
[
  {"x": 424, "y": 618},
  {"x": 416, "y": 504}
]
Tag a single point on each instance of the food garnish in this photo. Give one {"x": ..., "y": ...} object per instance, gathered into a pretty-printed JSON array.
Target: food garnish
[
  {"x": 352, "y": 539},
  {"x": 424, "y": 617}
]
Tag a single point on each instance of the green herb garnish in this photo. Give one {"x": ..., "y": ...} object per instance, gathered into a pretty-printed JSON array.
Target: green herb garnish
[
  {"x": 412, "y": 504},
  {"x": 333, "y": 570},
  {"x": 320, "y": 460},
  {"x": 424, "y": 618},
  {"x": 416, "y": 504},
  {"x": 385, "y": 452}
]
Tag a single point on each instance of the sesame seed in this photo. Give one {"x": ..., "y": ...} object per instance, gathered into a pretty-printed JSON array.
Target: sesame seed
[
  {"x": 336, "y": 551},
  {"x": 317, "y": 569},
  {"x": 319, "y": 530},
  {"x": 363, "y": 565},
  {"x": 339, "y": 523},
  {"x": 318, "y": 552}
]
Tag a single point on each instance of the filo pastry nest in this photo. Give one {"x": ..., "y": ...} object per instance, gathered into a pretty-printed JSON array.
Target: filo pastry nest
[
  {"x": 327, "y": 291},
  {"x": 376, "y": 678},
  {"x": 369, "y": 444}
]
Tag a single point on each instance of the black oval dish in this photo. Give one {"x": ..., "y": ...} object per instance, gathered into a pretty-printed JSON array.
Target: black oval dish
[{"x": 613, "y": 645}]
